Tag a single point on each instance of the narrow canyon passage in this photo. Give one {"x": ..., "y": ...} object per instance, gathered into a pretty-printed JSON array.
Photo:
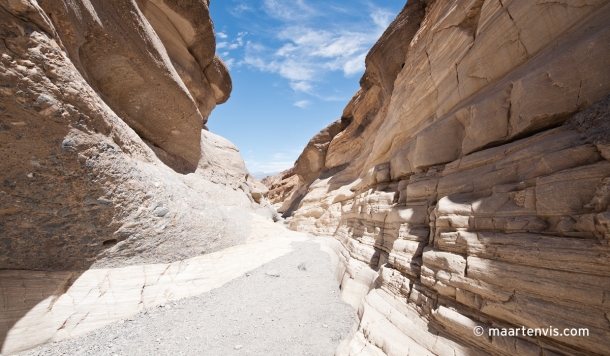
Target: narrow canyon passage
[
  {"x": 288, "y": 306},
  {"x": 462, "y": 194}
]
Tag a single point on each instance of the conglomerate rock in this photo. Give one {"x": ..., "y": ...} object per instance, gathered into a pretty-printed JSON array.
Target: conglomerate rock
[{"x": 471, "y": 187}]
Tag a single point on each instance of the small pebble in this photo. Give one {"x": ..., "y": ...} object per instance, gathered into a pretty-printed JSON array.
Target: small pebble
[{"x": 273, "y": 273}]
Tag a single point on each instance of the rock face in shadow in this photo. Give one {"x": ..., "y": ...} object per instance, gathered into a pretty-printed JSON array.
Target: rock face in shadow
[
  {"x": 104, "y": 160},
  {"x": 471, "y": 186}
]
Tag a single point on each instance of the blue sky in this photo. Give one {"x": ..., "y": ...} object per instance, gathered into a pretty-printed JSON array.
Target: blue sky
[{"x": 295, "y": 64}]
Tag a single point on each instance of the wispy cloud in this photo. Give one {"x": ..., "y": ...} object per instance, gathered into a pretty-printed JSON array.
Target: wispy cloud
[
  {"x": 238, "y": 42},
  {"x": 302, "y": 104},
  {"x": 229, "y": 45},
  {"x": 354, "y": 65},
  {"x": 239, "y": 9},
  {"x": 229, "y": 62},
  {"x": 303, "y": 86},
  {"x": 308, "y": 50},
  {"x": 304, "y": 47},
  {"x": 277, "y": 162},
  {"x": 382, "y": 18},
  {"x": 287, "y": 10}
]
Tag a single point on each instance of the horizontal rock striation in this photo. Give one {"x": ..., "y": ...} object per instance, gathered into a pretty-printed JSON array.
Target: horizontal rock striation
[
  {"x": 285, "y": 191},
  {"x": 470, "y": 187}
]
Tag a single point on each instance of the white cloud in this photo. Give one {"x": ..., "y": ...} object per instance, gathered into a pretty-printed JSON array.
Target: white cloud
[
  {"x": 229, "y": 62},
  {"x": 303, "y": 86},
  {"x": 296, "y": 70},
  {"x": 237, "y": 10},
  {"x": 343, "y": 45},
  {"x": 287, "y": 10},
  {"x": 254, "y": 47},
  {"x": 230, "y": 45},
  {"x": 274, "y": 162},
  {"x": 308, "y": 53},
  {"x": 308, "y": 49},
  {"x": 302, "y": 104},
  {"x": 355, "y": 65},
  {"x": 240, "y": 38},
  {"x": 382, "y": 18}
]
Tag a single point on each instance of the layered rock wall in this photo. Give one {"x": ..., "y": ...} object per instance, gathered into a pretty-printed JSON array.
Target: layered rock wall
[
  {"x": 285, "y": 191},
  {"x": 470, "y": 187}
]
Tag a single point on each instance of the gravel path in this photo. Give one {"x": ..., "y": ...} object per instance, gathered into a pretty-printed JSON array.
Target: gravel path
[{"x": 289, "y": 306}]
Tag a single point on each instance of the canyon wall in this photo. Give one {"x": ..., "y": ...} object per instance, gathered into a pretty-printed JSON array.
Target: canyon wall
[
  {"x": 106, "y": 159},
  {"x": 467, "y": 182},
  {"x": 282, "y": 191}
]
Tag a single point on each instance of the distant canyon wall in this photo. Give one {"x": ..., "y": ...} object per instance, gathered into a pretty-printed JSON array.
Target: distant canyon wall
[{"x": 467, "y": 182}]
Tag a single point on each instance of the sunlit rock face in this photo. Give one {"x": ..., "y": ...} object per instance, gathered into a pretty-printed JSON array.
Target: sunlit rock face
[
  {"x": 470, "y": 187},
  {"x": 281, "y": 186}
]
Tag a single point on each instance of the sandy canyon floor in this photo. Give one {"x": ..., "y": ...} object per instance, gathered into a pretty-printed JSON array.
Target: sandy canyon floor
[{"x": 288, "y": 306}]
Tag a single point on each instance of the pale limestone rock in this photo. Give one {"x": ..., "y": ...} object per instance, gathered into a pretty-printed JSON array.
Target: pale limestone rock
[
  {"x": 476, "y": 191},
  {"x": 39, "y": 307}
]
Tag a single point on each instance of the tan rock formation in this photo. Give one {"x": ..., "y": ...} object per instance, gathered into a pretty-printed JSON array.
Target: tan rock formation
[
  {"x": 285, "y": 191},
  {"x": 269, "y": 181},
  {"x": 259, "y": 190},
  {"x": 80, "y": 182},
  {"x": 470, "y": 188},
  {"x": 104, "y": 161},
  {"x": 310, "y": 163},
  {"x": 281, "y": 185},
  {"x": 66, "y": 304}
]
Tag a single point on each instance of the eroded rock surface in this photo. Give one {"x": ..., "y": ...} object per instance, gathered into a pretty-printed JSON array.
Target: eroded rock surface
[
  {"x": 470, "y": 187},
  {"x": 67, "y": 304},
  {"x": 82, "y": 173},
  {"x": 285, "y": 191},
  {"x": 105, "y": 159}
]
